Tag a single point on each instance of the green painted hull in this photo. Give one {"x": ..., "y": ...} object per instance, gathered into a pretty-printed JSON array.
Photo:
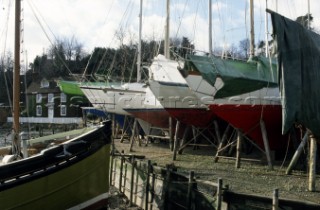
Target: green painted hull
[
  {"x": 70, "y": 88},
  {"x": 66, "y": 183}
]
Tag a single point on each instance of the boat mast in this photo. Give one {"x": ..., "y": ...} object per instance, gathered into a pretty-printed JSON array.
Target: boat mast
[
  {"x": 251, "y": 30},
  {"x": 139, "y": 45},
  {"x": 309, "y": 14},
  {"x": 210, "y": 28},
  {"x": 166, "y": 40},
  {"x": 16, "y": 81},
  {"x": 266, "y": 29}
]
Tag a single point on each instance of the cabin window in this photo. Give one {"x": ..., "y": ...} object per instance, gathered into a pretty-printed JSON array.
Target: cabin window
[
  {"x": 50, "y": 97},
  {"x": 39, "y": 110},
  {"x": 63, "y": 97},
  {"x": 63, "y": 110},
  {"x": 39, "y": 98}
]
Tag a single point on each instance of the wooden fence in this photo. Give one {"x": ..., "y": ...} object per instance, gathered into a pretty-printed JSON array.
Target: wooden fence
[
  {"x": 151, "y": 187},
  {"x": 155, "y": 188}
]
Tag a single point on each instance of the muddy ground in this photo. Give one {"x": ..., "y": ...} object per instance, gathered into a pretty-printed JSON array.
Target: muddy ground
[{"x": 252, "y": 177}]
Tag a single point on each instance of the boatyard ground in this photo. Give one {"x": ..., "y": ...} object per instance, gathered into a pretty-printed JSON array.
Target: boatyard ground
[{"x": 253, "y": 177}]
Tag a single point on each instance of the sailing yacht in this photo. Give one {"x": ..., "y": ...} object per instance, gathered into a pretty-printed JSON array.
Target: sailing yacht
[{"x": 60, "y": 171}]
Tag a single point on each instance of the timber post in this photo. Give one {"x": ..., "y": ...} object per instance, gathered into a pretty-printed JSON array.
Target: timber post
[
  {"x": 133, "y": 164},
  {"x": 219, "y": 194},
  {"x": 275, "y": 199},
  {"x": 147, "y": 185},
  {"x": 111, "y": 168},
  {"x": 166, "y": 188},
  {"x": 312, "y": 163},
  {"x": 189, "y": 193},
  {"x": 121, "y": 173}
]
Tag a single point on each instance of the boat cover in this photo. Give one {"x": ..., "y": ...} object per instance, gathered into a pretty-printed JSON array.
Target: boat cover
[
  {"x": 298, "y": 51},
  {"x": 238, "y": 76}
]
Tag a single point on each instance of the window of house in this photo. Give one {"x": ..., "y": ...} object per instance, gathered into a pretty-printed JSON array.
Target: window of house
[
  {"x": 39, "y": 98},
  {"x": 63, "y": 110},
  {"x": 50, "y": 97},
  {"x": 39, "y": 110},
  {"x": 63, "y": 97}
]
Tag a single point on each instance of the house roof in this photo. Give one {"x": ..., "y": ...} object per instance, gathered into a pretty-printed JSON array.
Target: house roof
[{"x": 35, "y": 86}]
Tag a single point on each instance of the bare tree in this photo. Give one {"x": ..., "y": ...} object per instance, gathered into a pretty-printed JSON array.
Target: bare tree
[{"x": 244, "y": 46}]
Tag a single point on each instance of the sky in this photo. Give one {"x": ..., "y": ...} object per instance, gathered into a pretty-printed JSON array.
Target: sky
[{"x": 95, "y": 23}]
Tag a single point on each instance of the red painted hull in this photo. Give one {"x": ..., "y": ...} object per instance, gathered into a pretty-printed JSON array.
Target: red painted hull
[
  {"x": 156, "y": 117},
  {"x": 190, "y": 116},
  {"x": 247, "y": 118}
]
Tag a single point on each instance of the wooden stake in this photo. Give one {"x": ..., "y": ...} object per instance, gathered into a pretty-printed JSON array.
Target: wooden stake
[
  {"x": 266, "y": 143},
  {"x": 189, "y": 193},
  {"x": 121, "y": 174},
  {"x": 312, "y": 163},
  {"x": 297, "y": 154},
  {"x": 111, "y": 169},
  {"x": 275, "y": 199},
  {"x": 147, "y": 185},
  {"x": 133, "y": 164},
  {"x": 219, "y": 194}
]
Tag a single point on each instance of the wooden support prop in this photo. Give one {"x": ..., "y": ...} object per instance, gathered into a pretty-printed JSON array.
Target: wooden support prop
[
  {"x": 297, "y": 153},
  {"x": 224, "y": 138},
  {"x": 266, "y": 143},
  {"x": 216, "y": 128},
  {"x": 113, "y": 125},
  {"x": 124, "y": 128},
  {"x": 194, "y": 133},
  {"x": 275, "y": 199},
  {"x": 170, "y": 133},
  {"x": 176, "y": 141},
  {"x": 219, "y": 194},
  {"x": 185, "y": 133},
  {"x": 239, "y": 141},
  {"x": 189, "y": 193},
  {"x": 312, "y": 163},
  {"x": 133, "y": 133}
]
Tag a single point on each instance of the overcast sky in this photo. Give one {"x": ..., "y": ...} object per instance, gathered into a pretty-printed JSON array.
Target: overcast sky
[{"x": 94, "y": 23}]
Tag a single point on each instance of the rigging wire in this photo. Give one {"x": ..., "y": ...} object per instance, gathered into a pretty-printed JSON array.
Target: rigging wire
[
  {"x": 4, "y": 54},
  {"x": 33, "y": 8}
]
